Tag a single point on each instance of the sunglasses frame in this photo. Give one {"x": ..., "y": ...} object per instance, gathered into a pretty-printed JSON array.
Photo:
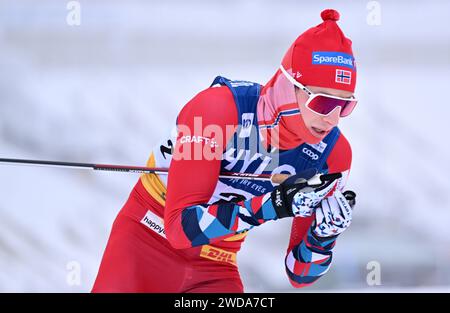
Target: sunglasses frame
[{"x": 312, "y": 95}]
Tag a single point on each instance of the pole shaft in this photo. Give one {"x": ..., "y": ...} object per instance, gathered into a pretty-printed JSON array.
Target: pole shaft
[{"x": 123, "y": 168}]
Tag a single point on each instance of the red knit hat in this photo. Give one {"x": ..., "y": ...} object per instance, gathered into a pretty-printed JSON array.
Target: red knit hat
[{"x": 322, "y": 56}]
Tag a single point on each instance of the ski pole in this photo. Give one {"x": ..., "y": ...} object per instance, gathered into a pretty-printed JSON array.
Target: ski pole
[{"x": 275, "y": 178}]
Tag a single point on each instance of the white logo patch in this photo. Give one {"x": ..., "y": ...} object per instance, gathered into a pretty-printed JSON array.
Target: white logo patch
[
  {"x": 320, "y": 147},
  {"x": 154, "y": 222},
  {"x": 247, "y": 122}
]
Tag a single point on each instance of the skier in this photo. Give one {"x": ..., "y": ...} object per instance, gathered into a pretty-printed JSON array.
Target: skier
[{"x": 182, "y": 233}]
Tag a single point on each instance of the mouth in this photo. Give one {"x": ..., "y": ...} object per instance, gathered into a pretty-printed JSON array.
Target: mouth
[{"x": 318, "y": 132}]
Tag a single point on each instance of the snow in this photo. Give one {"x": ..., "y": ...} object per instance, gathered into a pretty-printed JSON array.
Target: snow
[{"x": 108, "y": 90}]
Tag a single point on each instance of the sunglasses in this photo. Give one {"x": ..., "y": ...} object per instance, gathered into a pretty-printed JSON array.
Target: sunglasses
[{"x": 321, "y": 103}]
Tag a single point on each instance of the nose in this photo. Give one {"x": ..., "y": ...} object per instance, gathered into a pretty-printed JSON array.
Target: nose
[{"x": 333, "y": 118}]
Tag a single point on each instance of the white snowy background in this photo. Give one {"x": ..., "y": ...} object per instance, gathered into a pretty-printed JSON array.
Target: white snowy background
[{"x": 106, "y": 91}]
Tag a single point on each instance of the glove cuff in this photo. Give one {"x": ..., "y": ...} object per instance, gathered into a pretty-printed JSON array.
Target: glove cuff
[
  {"x": 326, "y": 243},
  {"x": 279, "y": 203}
]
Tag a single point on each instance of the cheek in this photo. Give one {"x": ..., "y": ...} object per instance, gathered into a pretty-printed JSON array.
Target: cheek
[
  {"x": 303, "y": 110},
  {"x": 308, "y": 116},
  {"x": 301, "y": 97}
]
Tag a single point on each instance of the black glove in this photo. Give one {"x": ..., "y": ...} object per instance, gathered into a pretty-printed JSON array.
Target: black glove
[{"x": 300, "y": 194}]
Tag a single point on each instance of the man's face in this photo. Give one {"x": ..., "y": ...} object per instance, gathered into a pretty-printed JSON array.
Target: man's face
[{"x": 319, "y": 125}]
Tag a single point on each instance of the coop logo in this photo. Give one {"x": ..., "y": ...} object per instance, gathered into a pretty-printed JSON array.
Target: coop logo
[
  {"x": 333, "y": 58},
  {"x": 311, "y": 154}
]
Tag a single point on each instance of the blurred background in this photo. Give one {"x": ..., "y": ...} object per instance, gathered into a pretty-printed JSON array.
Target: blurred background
[{"x": 107, "y": 90}]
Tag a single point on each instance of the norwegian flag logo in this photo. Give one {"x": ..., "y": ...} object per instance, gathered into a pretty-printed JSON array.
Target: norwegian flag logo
[{"x": 343, "y": 77}]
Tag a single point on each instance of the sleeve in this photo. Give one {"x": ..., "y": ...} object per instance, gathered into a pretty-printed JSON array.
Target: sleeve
[
  {"x": 308, "y": 257},
  {"x": 204, "y": 126}
]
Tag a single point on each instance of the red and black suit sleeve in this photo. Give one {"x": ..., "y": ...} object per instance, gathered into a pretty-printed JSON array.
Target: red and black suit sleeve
[{"x": 308, "y": 257}]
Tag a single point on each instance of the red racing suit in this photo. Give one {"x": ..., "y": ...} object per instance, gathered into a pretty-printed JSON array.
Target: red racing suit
[{"x": 180, "y": 234}]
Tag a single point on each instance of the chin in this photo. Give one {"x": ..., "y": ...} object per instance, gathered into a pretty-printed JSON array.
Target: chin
[{"x": 315, "y": 138}]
